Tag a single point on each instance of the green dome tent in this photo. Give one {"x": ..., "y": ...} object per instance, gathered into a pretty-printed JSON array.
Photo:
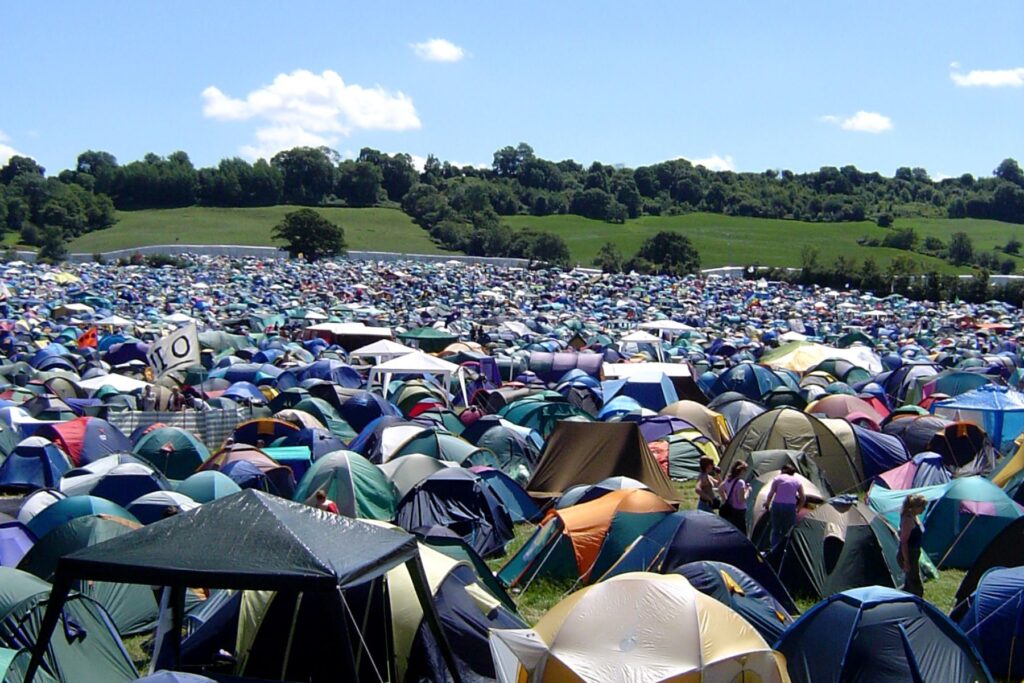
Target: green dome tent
[
  {"x": 132, "y": 608},
  {"x": 172, "y": 450},
  {"x": 353, "y": 483},
  {"x": 98, "y": 657}
]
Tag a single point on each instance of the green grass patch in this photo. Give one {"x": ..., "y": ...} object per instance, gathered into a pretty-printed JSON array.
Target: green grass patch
[
  {"x": 365, "y": 229},
  {"x": 731, "y": 240}
]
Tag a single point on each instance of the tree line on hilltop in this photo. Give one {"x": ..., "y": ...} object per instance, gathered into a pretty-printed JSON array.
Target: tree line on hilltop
[{"x": 462, "y": 206}]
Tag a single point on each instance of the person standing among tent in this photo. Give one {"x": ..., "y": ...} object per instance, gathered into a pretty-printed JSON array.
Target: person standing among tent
[
  {"x": 707, "y": 486},
  {"x": 734, "y": 496},
  {"x": 910, "y": 543},
  {"x": 785, "y": 497}
]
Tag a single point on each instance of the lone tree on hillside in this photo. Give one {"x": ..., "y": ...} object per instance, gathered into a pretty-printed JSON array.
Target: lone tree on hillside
[
  {"x": 961, "y": 249},
  {"x": 310, "y": 235},
  {"x": 671, "y": 253}
]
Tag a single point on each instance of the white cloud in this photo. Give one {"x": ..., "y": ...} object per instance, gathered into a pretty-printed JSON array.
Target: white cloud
[
  {"x": 438, "y": 50},
  {"x": 6, "y": 151},
  {"x": 987, "y": 78},
  {"x": 304, "y": 108},
  {"x": 861, "y": 122},
  {"x": 716, "y": 163}
]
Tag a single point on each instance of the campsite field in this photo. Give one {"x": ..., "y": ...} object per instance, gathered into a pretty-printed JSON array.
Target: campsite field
[
  {"x": 365, "y": 229},
  {"x": 542, "y": 595},
  {"x": 730, "y": 240}
]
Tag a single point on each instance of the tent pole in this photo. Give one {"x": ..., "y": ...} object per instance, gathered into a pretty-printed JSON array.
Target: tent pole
[
  {"x": 177, "y": 620},
  {"x": 419, "y": 582},
  {"x": 58, "y": 596},
  {"x": 291, "y": 635}
]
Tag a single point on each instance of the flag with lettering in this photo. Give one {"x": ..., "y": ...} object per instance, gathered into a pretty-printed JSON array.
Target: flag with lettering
[{"x": 177, "y": 350}]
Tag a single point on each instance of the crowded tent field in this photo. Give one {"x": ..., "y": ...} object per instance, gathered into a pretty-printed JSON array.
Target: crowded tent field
[{"x": 265, "y": 469}]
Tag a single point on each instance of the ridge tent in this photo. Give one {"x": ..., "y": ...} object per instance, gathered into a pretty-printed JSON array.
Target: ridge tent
[
  {"x": 460, "y": 501},
  {"x": 736, "y": 589},
  {"x": 878, "y": 634},
  {"x": 637, "y": 627},
  {"x": 357, "y": 487},
  {"x": 582, "y": 541},
  {"x": 832, "y": 548},
  {"x": 993, "y": 620},
  {"x": 586, "y": 453},
  {"x": 790, "y": 429},
  {"x": 693, "y": 536},
  {"x": 132, "y": 608},
  {"x": 87, "y": 648},
  {"x": 288, "y": 547}
]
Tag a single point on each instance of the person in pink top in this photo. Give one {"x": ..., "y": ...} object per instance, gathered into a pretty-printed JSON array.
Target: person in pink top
[{"x": 785, "y": 497}]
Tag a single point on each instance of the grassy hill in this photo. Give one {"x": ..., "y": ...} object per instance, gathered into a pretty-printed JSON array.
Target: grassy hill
[
  {"x": 729, "y": 240},
  {"x": 365, "y": 229},
  {"x": 722, "y": 240}
]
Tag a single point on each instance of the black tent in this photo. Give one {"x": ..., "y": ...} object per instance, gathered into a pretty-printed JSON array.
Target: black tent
[{"x": 255, "y": 541}]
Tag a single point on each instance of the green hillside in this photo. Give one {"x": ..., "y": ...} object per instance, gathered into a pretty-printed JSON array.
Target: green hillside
[
  {"x": 722, "y": 240},
  {"x": 365, "y": 229},
  {"x": 729, "y": 240}
]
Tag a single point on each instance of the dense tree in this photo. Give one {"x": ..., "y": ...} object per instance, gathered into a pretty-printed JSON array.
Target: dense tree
[
  {"x": 359, "y": 183},
  {"x": 551, "y": 249},
  {"x": 17, "y": 166},
  {"x": 672, "y": 253},
  {"x": 310, "y": 235},
  {"x": 961, "y": 249},
  {"x": 1009, "y": 170},
  {"x": 309, "y": 174}
]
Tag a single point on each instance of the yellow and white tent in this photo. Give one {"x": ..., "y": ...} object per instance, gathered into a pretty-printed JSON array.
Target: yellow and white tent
[{"x": 637, "y": 628}]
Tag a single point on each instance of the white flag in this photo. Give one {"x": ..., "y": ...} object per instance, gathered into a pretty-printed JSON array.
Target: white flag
[{"x": 178, "y": 349}]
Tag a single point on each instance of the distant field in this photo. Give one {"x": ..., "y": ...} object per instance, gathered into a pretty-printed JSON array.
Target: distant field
[
  {"x": 722, "y": 240},
  {"x": 729, "y": 240},
  {"x": 365, "y": 229}
]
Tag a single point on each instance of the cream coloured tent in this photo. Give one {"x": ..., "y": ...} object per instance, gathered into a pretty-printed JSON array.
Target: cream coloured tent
[
  {"x": 637, "y": 627},
  {"x": 382, "y": 350}
]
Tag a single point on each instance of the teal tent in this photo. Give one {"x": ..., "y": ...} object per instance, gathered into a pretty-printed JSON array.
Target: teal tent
[
  {"x": 961, "y": 523},
  {"x": 207, "y": 485},
  {"x": 87, "y": 648},
  {"x": 357, "y": 486},
  {"x": 172, "y": 450},
  {"x": 132, "y": 608}
]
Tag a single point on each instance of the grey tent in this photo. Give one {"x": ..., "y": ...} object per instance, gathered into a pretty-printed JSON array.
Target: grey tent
[{"x": 255, "y": 541}]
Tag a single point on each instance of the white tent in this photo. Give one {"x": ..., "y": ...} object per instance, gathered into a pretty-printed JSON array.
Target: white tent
[
  {"x": 122, "y": 383},
  {"x": 666, "y": 326},
  {"x": 418, "y": 363},
  {"x": 640, "y": 337},
  {"x": 382, "y": 350},
  {"x": 626, "y": 370},
  {"x": 115, "y": 321}
]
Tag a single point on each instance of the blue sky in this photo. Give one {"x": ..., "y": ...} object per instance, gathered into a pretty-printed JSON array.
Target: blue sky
[{"x": 794, "y": 85}]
